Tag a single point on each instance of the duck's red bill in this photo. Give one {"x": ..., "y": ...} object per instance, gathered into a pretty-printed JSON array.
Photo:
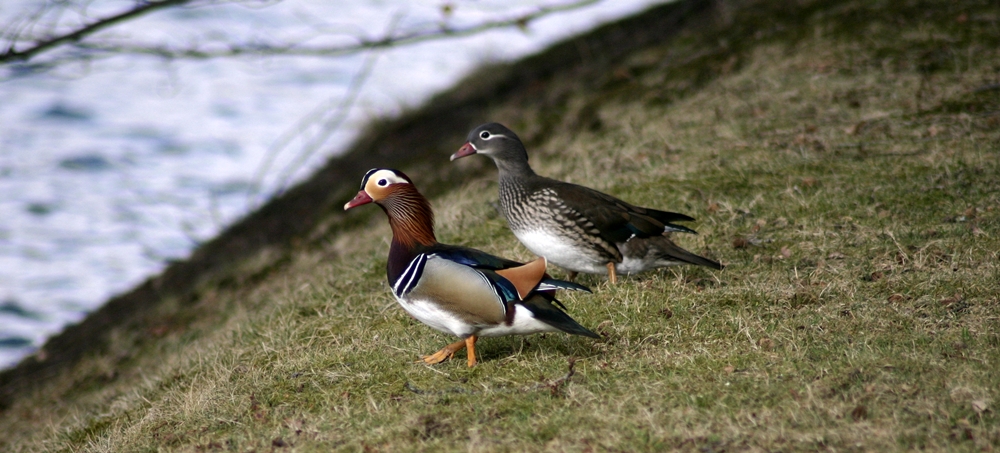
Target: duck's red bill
[
  {"x": 465, "y": 150},
  {"x": 359, "y": 199}
]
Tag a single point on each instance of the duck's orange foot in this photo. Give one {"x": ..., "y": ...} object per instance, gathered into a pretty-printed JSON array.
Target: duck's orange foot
[{"x": 444, "y": 354}]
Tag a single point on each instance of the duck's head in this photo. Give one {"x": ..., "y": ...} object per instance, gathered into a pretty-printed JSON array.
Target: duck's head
[
  {"x": 380, "y": 185},
  {"x": 496, "y": 142}
]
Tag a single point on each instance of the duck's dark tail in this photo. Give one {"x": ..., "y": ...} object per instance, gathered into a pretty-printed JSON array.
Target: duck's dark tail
[{"x": 541, "y": 306}]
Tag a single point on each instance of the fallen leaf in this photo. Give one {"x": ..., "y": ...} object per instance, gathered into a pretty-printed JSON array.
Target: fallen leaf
[
  {"x": 980, "y": 406},
  {"x": 603, "y": 326},
  {"x": 739, "y": 242},
  {"x": 159, "y": 331},
  {"x": 786, "y": 252},
  {"x": 622, "y": 74},
  {"x": 896, "y": 298},
  {"x": 729, "y": 369},
  {"x": 860, "y": 412},
  {"x": 952, "y": 299}
]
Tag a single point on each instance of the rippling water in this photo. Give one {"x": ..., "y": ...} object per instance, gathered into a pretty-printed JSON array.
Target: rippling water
[{"x": 109, "y": 169}]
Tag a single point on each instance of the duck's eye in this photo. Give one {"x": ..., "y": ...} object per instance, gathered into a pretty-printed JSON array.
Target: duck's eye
[
  {"x": 383, "y": 182},
  {"x": 484, "y": 135}
]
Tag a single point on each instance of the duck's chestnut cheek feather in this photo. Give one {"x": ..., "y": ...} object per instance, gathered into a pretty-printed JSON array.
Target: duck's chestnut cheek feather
[{"x": 361, "y": 198}]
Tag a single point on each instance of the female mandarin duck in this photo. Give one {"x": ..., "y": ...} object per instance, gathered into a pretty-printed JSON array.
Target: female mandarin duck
[
  {"x": 575, "y": 227},
  {"x": 458, "y": 290}
]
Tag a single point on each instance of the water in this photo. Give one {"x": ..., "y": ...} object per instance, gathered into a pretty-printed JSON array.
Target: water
[{"x": 112, "y": 168}]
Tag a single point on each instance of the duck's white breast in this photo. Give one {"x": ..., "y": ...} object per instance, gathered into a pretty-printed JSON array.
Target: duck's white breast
[
  {"x": 524, "y": 324},
  {"x": 561, "y": 251},
  {"x": 428, "y": 312}
]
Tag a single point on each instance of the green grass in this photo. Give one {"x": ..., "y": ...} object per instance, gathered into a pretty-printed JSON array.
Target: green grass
[{"x": 842, "y": 164}]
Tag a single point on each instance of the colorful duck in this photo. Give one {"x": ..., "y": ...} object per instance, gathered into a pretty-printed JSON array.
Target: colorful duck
[{"x": 459, "y": 290}]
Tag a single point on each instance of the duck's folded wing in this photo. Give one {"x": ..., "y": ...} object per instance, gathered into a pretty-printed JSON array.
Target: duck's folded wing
[
  {"x": 618, "y": 220},
  {"x": 471, "y": 257},
  {"x": 513, "y": 280},
  {"x": 481, "y": 264},
  {"x": 462, "y": 291}
]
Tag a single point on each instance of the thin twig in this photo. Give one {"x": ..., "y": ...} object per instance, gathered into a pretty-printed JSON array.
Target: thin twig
[
  {"x": 11, "y": 54},
  {"x": 556, "y": 385},
  {"x": 266, "y": 49}
]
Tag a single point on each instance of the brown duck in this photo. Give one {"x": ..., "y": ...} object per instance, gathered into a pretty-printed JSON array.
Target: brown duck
[{"x": 576, "y": 227}]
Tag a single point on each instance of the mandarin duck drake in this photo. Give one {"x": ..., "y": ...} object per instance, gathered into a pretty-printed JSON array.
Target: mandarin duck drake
[
  {"x": 576, "y": 227},
  {"x": 459, "y": 290}
]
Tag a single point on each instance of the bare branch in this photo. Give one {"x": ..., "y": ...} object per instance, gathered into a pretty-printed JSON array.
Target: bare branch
[
  {"x": 22, "y": 55},
  {"x": 276, "y": 49}
]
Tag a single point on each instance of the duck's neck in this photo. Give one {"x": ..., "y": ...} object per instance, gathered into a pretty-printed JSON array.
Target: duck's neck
[
  {"x": 412, "y": 223},
  {"x": 512, "y": 169}
]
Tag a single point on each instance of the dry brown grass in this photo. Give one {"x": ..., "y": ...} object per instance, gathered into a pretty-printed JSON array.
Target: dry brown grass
[{"x": 842, "y": 162}]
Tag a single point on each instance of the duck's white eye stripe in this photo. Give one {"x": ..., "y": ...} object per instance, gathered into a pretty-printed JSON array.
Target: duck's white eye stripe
[{"x": 384, "y": 178}]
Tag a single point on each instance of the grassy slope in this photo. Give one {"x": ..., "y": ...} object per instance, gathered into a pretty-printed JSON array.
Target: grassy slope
[{"x": 840, "y": 160}]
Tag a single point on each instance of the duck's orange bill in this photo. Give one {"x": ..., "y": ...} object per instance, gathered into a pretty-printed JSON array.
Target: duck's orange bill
[{"x": 359, "y": 199}]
